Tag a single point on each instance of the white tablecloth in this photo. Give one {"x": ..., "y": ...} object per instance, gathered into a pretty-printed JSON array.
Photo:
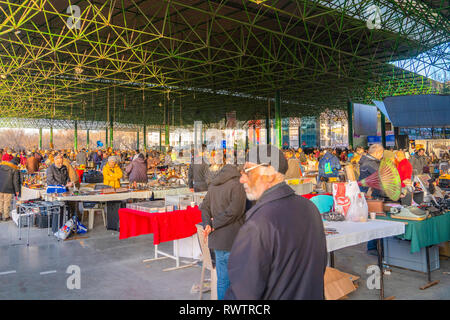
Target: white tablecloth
[
  {"x": 353, "y": 233},
  {"x": 125, "y": 195},
  {"x": 30, "y": 194}
]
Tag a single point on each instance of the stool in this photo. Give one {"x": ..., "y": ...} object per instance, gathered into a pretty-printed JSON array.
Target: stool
[{"x": 91, "y": 212}]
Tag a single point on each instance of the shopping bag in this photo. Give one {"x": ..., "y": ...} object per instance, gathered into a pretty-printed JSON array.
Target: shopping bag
[
  {"x": 359, "y": 210},
  {"x": 343, "y": 193},
  {"x": 67, "y": 229},
  {"x": 81, "y": 228}
]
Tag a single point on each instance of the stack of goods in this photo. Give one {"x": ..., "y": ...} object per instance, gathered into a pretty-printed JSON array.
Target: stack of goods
[
  {"x": 150, "y": 206},
  {"x": 113, "y": 190},
  {"x": 179, "y": 202},
  {"x": 36, "y": 181},
  {"x": 172, "y": 177}
]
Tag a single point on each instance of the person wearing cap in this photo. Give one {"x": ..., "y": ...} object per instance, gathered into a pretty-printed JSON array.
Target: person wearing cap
[
  {"x": 280, "y": 251},
  {"x": 112, "y": 173},
  {"x": 9, "y": 185},
  {"x": 57, "y": 173}
]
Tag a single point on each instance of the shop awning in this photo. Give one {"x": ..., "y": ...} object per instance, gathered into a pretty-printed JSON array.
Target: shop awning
[
  {"x": 427, "y": 110},
  {"x": 380, "y": 105}
]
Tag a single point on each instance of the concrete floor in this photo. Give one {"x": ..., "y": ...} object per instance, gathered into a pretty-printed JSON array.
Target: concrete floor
[{"x": 113, "y": 269}]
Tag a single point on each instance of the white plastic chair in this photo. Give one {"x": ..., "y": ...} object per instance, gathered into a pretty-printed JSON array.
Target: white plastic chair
[
  {"x": 206, "y": 264},
  {"x": 91, "y": 211}
]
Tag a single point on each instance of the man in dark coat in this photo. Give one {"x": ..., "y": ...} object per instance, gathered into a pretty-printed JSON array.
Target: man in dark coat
[
  {"x": 280, "y": 251},
  {"x": 57, "y": 173},
  {"x": 137, "y": 170},
  {"x": 198, "y": 174},
  {"x": 223, "y": 214},
  {"x": 97, "y": 158},
  {"x": 9, "y": 185}
]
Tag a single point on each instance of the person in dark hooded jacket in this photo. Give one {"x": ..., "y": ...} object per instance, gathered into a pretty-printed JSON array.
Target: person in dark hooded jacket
[
  {"x": 223, "y": 212},
  {"x": 9, "y": 185},
  {"x": 280, "y": 251},
  {"x": 137, "y": 170}
]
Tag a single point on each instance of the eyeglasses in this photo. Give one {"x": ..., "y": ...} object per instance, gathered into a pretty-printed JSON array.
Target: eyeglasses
[{"x": 250, "y": 169}]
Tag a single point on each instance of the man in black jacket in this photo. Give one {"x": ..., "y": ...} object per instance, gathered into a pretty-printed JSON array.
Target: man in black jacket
[
  {"x": 57, "y": 173},
  {"x": 280, "y": 251},
  {"x": 9, "y": 185},
  {"x": 223, "y": 214}
]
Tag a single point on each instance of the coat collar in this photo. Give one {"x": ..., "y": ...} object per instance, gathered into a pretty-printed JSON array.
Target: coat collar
[
  {"x": 279, "y": 191},
  {"x": 9, "y": 164}
]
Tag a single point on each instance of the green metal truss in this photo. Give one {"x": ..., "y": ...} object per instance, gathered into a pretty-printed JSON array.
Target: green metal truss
[{"x": 172, "y": 62}]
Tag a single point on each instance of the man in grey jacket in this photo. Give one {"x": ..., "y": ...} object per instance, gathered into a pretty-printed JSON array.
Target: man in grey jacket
[
  {"x": 81, "y": 158},
  {"x": 223, "y": 214},
  {"x": 418, "y": 161}
]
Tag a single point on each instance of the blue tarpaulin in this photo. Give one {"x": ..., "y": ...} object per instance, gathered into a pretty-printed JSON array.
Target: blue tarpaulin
[{"x": 429, "y": 110}]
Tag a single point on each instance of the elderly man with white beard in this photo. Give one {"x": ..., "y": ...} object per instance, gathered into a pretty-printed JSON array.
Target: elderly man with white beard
[{"x": 280, "y": 251}]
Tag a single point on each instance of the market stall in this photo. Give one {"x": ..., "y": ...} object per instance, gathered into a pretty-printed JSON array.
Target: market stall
[
  {"x": 416, "y": 248},
  {"x": 347, "y": 233}
]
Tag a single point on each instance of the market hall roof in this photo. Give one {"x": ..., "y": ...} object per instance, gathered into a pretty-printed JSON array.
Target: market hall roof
[{"x": 128, "y": 61}]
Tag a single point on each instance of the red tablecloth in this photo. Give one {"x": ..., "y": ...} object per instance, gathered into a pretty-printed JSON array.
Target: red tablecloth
[{"x": 165, "y": 226}]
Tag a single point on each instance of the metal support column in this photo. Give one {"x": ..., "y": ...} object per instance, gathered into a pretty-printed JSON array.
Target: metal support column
[
  {"x": 40, "y": 138},
  {"x": 279, "y": 142},
  {"x": 111, "y": 134},
  {"x": 145, "y": 137},
  {"x": 75, "y": 136},
  {"x": 160, "y": 139},
  {"x": 383, "y": 129},
  {"x": 51, "y": 137},
  {"x": 350, "y": 123},
  {"x": 268, "y": 130},
  {"x": 106, "y": 137},
  {"x": 137, "y": 139},
  {"x": 87, "y": 139}
]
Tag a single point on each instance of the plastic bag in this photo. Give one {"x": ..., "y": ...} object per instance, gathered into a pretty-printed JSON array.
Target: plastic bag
[
  {"x": 359, "y": 210},
  {"x": 81, "y": 228},
  {"x": 343, "y": 194},
  {"x": 67, "y": 229}
]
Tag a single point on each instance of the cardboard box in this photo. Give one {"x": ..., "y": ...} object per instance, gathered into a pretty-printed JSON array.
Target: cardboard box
[
  {"x": 444, "y": 249},
  {"x": 338, "y": 284}
]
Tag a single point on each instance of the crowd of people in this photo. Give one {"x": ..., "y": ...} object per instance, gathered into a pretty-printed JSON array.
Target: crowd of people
[{"x": 267, "y": 242}]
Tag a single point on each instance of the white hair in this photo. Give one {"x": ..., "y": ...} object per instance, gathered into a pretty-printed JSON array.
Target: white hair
[{"x": 375, "y": 148}]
